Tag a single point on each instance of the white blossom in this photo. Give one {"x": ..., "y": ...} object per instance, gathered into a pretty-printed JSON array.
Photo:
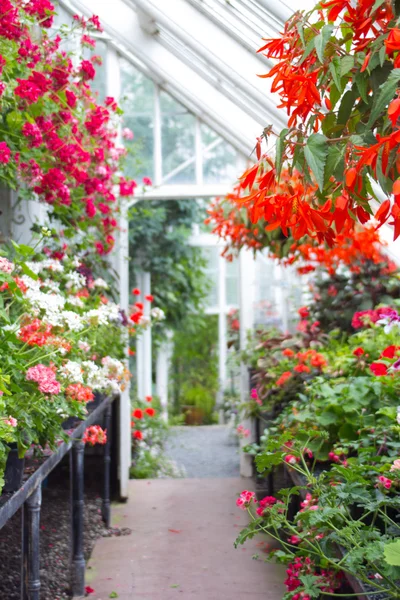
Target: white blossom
[
  {"x": 157, "y": 314},
  {"x": 75, "y": 279},
  {"x": 75, "y": 301},
  {"x": 72, "y": 371},
  {"x": 73, "y": 321},
  {"x": 100, "y": 283}
]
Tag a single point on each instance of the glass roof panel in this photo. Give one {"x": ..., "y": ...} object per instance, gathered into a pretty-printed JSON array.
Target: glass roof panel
[{"x": 137, "y": 101}]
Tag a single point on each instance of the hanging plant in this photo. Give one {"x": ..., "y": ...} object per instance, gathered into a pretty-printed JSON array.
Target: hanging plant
[{"x": 338, "y": 78}]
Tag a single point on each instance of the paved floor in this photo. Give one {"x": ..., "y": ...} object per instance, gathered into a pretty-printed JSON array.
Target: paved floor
[
  {"x": 205, "y": 451},
  {"x": 181, "y": 546}
]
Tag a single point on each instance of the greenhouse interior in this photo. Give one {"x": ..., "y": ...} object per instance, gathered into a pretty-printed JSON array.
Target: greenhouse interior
[{"x": 199, "y": 299}]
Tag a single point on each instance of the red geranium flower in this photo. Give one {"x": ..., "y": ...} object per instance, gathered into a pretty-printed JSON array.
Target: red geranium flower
[
  {"x": 303, "y": 312},
  {"x": 390, "y": 352},
  {"x": 287, "y": 352},
  {"x": 136, "y": 292},
  {"x": 138, "y": 435},
  {"x": 137, "y": 413},
  {"x": 378, "y": 369},
  {"x": 149, "y": 298},
  {"x": 150, "y": 411},
  {"x": 358, "y": 351}
]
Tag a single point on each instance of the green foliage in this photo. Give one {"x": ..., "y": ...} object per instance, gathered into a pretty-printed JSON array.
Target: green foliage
[
  {"x": 158, "y": 237},
  {"x": 392, "y": 553},
  {"x": 148, "y": 453},
  {"x": 339, "y": 295},
  {"x": 195, "y": 364}
]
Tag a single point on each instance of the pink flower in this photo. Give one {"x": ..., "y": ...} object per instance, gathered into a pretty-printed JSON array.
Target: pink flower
[
  {"x": 387, "y": 483},
  {"x": 242, "y": 432},
  {"x": 396, "y": 465},
  {"x": 127, "y": 134},
  {"x": 45, "y": 378},
  {"x": 147, "y": 181},
  {"x": 294, "y": 539},
  {"x": 290, "y": 459},
  {"x": 11, "y": 421},
  {"x": 265, "y": 503},
  {"x": 127, "y": 188},
  {"x": 95, "y": 435},
  {"x": 5, "y": 265},
  {"x": 5, "y": 153},
  {"x": 87, "y": 70},
  {"x": 94, "y": 19},
  {"x": 245, "y": 499}
]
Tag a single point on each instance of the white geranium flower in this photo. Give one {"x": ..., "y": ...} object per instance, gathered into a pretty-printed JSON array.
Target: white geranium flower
[
  {"x": 75, "y": 301},
  {"x": 72, "y": 371},
  {"x": 157, "y": 314},
  {"x": 73, "y": 321},
  {"x": 75, "y": 279},
  {"x": 100, "y": 283}
]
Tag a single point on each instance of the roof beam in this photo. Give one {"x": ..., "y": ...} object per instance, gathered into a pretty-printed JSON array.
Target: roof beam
[
  {"x": 183, "y": 192},
  {"x": 240, "y": 85},
  {"x": 121, "y": 23}
]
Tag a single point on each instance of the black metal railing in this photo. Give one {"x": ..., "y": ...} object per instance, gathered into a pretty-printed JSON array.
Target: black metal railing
[{"x": 29, "y": 498}]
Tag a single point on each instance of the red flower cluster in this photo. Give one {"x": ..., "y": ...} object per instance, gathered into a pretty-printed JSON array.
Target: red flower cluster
[
  {"x": 95, "y": 435},
  {"x": 365, "y": 318},
  {"x": 329, "y": 580},
  {"x": 35, "y": 333},
  {"x": 77, "y": 391}
]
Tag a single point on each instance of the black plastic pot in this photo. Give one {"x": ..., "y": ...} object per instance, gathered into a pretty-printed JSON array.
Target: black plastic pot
[
  {"x": 73, "y": 422},
  {"x": 14, "y": 470}
]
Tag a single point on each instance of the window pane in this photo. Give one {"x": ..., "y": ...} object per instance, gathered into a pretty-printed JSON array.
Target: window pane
[
  {"x": 178, "y": 140},
  {"x": 219, "y": 162},
  {"x": 99, "y": 84},
  {"x": 232, "y": 283},
  {"x": 211, "y": 255},
  {"x": 137, "y": 102}
]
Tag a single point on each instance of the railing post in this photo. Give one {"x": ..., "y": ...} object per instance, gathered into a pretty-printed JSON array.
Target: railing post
[
  {"x": 78, "y": 559},
  {"x": 105, "y": 509},
  {"x": 30, "y": 578}
]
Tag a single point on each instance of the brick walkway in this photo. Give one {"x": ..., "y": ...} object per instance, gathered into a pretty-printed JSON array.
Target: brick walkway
[{"x": 181, "y": 546}]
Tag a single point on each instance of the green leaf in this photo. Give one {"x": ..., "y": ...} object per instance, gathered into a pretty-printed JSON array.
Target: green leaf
[
  {"x": 392, "y": 553},
  {"x": 382, "y": 55},
  {"x": 322, "y": 39},
  {"x": 334, "y": 68},
  {"x": 28, "y": 271},
  {"x": 346, "y": 64},
  {"x": 280, "y": 146},
  {"x": 113, "y": 595},
  {"x": 315, "y": 153},
  {"x": 14, "y": 120},
  {"x": 23, "y": 249},
  {"x": 362, "y": 85},
  {"x": 346, "y": 106},
  {"x": 377, "y": 4},
  {"x": 334, "y": 159},
  {"x": 309, "y": 48},
  {"x": 385, "y": 94},
  {"x": 300, "y": 29}
]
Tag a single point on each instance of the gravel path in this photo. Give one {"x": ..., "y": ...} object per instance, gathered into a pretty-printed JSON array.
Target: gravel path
[{"x": 204, "y": 451}]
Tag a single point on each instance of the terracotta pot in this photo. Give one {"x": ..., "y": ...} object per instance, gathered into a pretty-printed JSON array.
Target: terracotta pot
[{"x": 193, "y": 415}]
